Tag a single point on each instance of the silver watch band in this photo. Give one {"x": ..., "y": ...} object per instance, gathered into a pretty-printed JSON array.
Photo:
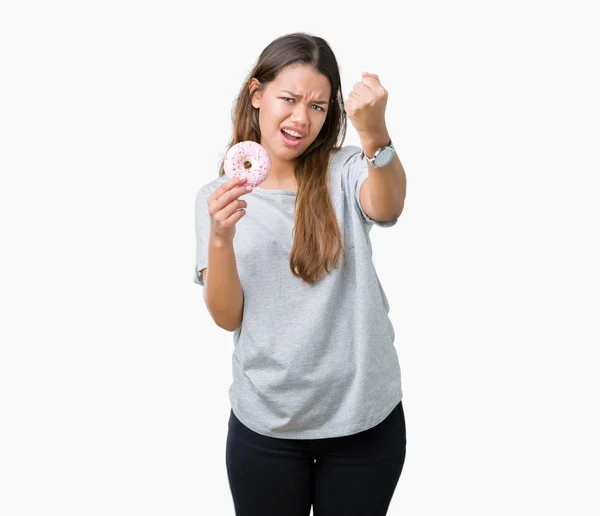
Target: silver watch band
[{"x": 372, "y": 160}]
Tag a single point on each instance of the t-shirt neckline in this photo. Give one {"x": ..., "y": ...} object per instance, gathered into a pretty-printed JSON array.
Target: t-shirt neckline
[{"x": 273, "y": 191}]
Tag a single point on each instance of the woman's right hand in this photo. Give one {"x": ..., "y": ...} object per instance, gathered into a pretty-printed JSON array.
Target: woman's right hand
[{"x": 225, "y": 207}]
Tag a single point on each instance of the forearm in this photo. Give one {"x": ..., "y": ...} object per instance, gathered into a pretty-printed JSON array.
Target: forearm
[
  {"x": 223, "y": 291},
  {"x": 387, "y": 186}
]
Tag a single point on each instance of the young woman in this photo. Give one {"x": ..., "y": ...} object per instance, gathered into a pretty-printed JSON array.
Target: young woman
[{"x": 317, "y": 417}]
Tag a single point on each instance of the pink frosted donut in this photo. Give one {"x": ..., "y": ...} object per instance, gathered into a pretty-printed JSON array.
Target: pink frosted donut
[{"x": 248, "y": 159}]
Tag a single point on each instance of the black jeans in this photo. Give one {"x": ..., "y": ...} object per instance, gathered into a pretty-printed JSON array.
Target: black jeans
[{"x": 353, "y": 475}]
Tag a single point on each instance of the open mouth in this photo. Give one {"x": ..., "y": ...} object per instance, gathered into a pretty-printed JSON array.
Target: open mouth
[{"x": 290, "y": 138}]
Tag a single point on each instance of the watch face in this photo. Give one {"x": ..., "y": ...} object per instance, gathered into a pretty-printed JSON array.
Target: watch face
[{"x": 384, "y": 157}]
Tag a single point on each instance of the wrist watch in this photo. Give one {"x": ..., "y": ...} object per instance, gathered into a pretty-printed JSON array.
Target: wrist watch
[{"x": 382, "y": 157}]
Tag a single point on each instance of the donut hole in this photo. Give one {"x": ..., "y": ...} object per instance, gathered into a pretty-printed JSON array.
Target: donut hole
[{"x": 247, "y": 165}]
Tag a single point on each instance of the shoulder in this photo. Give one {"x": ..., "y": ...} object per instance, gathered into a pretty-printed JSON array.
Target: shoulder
[
  {"x": 341, "y": 157},
  {"x": 346, "y": 166},
  {"x": 342, "y": 164}
]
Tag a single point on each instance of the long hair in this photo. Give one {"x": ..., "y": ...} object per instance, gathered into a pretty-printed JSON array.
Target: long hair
[{"x": 317, "y": 243}]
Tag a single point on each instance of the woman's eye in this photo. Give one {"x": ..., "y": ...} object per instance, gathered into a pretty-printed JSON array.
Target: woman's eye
[{"x": 289, "y": 98}]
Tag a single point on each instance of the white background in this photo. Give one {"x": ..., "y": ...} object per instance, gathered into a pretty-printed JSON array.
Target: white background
[{"x": 113, "y": 376}]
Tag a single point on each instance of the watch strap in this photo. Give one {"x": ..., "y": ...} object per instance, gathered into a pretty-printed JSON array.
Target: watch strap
[{"x": 372, "y": 160}]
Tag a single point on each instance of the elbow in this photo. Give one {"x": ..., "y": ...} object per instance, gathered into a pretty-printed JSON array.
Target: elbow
[
  {"x": 231, "y": 327},
  {"x": 224, "y": 321},
  {"x": 398, "y": 211},
  {"x": 227, "y": 316}
]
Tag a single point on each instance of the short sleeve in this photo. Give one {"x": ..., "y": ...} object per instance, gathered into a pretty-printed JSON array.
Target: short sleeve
[
  {"x": 202, "y": 236},
  {"x": 357, "y": 173}
]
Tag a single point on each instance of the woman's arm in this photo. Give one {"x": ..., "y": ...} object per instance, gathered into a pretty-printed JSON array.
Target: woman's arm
[{"x": 223, "y": 293}]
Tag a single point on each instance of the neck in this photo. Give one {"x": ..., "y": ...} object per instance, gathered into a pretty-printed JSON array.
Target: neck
[{"x": 283, "y": 172}]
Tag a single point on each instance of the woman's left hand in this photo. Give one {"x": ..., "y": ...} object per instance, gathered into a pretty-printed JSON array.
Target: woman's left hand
[{"x": 366, "y": 105}]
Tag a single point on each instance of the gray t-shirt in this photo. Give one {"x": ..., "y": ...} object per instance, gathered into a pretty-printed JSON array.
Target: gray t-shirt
[{"x": 309, "y": 361}]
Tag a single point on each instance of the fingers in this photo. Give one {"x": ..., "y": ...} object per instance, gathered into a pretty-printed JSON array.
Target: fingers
[
  {"x": 226, "y": 194},
  {"x": 229, "y": 185},
  {"x": 232, "y": 207},
  {"x": 225, "y": 187}
]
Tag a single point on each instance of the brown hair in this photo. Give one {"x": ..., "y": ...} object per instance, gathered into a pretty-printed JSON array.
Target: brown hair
[{"x": 317, "y": 241}]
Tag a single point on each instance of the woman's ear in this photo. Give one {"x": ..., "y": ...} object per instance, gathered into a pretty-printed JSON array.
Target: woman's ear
[{"x": 254, "y": 85}]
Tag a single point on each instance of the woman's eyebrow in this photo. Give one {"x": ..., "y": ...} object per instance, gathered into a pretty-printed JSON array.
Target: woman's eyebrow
[{"x": 297, "y": 96}]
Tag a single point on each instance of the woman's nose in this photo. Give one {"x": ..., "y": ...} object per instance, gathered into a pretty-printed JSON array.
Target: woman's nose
[{"x": 299, "y": 114}]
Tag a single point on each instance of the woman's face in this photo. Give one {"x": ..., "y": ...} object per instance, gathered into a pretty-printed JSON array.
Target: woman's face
[{"x": 279, "y": 108}]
